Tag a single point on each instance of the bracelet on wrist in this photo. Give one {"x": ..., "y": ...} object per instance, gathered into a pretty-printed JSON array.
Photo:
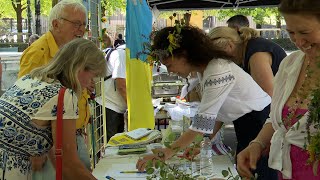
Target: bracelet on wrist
[{"x": 263, "y": 146}]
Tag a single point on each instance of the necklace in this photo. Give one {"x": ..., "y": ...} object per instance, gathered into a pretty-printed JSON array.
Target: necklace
[{"x": 302, "y": 96}]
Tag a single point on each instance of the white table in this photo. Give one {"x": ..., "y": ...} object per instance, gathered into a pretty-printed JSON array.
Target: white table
[{"x": 112, "y": 164}]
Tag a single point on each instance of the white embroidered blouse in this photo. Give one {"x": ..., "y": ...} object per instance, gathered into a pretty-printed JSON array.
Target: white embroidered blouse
[{"x": 228, "y": 93}]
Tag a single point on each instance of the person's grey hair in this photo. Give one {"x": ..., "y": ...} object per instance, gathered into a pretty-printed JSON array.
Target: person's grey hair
[
  {"x": 239, "y": 20},
  {"x": 58, "y": 10},
  {"x": 33, "y": 38},
  {"x": 78, "y": 54}
]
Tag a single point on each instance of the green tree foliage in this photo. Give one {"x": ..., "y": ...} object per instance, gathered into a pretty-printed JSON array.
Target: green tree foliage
[
  {"x": 6, "y": 10},
  {"x": 259, "y": 14},
  {"x": 109, "y": 7},
  {"x": 17, "y": 9}
]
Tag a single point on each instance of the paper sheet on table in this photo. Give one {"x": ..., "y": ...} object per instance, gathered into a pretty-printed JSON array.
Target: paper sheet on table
[{"x": 115, "y": 170}]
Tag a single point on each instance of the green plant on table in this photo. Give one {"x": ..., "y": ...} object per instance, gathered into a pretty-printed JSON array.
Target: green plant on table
[
  {"x": 172, "y": 172},
  {"x": 167, "y": 171},
  {"x": 229, "y": 175}
]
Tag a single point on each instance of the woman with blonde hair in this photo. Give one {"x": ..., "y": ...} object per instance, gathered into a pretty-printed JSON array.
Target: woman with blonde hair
[
  {"x": 28, "y": 111},
  {"x": 257, "y": 56}
]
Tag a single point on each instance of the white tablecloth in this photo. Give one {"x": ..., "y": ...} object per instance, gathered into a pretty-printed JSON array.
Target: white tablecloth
[{"x": 112, "y": 164}]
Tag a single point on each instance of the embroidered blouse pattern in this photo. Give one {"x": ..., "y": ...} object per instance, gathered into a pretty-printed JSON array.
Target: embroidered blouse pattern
[
  {"x": 20, "y": 137},
  {"x": 204, "y": 121},
  {"x": 219, "y": 81}
]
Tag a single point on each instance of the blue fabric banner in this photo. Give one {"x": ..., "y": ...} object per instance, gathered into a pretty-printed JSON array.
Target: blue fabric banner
[{"x": 138, "y": 71}]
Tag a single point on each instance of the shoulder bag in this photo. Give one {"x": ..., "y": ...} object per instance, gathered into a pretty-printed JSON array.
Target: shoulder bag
[{"x": 59, "y": 130}]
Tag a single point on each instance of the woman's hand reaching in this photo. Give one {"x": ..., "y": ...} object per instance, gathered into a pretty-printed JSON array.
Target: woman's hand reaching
[
  {"x": 247, "y": 160},
  {"x": 190, "y": 153},
  {"x": 158, "y": 154}
]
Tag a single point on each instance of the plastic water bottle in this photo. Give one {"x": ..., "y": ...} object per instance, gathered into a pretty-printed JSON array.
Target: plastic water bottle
[{"x": 206, "y": 164}]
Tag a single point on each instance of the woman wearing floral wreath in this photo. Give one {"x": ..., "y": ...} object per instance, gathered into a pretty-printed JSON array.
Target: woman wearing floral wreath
[
  {"x": 291, "y": 129},
  {"x": 228, "y": 92}
]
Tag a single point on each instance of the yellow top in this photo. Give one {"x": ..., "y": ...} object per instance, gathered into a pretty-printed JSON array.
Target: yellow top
[{"x": 40, "y": 53}]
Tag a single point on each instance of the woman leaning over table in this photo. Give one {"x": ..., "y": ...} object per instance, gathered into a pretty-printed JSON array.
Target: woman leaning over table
[
  {"x": 297, "y": 77},
  {"x": 28, "y": 111},
  {"x": 227, "y": 91},
  {"x": 257, "y": 56}
]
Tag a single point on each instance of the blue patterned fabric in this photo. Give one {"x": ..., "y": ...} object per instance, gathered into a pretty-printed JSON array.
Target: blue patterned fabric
[
  {"x": 20, "y": 138},
  {"x": 139, "y": 27}
]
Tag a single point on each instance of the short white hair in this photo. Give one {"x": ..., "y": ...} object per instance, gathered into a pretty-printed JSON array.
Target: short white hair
[{"x": 59, "y": 10}]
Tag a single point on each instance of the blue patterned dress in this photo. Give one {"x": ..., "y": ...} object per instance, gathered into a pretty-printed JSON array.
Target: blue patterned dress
[{"x": 20, "y": 138}]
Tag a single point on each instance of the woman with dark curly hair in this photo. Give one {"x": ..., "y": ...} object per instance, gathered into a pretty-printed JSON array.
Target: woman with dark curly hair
[{"x": 227, "y": 91}]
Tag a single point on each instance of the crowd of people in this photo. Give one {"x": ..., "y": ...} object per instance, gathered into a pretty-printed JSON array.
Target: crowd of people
[{"x": 244, "y": 79}]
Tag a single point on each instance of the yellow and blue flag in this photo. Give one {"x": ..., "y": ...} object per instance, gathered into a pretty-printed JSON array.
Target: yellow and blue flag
[{"x": 138, "y": 71}]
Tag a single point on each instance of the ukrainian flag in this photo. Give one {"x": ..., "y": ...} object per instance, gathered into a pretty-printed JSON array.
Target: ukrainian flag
[{"x": 138, "y": 77}]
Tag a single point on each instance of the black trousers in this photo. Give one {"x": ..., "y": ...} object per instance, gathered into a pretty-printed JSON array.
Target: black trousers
[
  {"x": 115, "y": 123},
  {"x": 247, "y": 128}
]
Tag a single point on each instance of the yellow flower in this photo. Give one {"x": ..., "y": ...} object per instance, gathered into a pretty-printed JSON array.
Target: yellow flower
[
  {"x": 173, "y": 42},
  {"x": 103, "y": 19}
]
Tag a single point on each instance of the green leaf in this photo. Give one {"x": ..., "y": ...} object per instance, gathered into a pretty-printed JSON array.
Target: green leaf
[
  {"x": 225, "y": 173},
  {"x": 162, "y": 164},
  {"x": 170, "y": 176},
  {"x": 150, "y": 170},
  {"x": 149, "y": 163},
  {"x": 172, "y": 137},
  {"x": 157, "y": 164},
  {"x": 167, "y": 144},
  {"x": 198, "y": 139},
  {"x": 163, "y": 173}
]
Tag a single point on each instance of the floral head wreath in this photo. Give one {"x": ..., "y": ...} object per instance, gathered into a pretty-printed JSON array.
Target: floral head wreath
[{"x": 155, "y": 55}]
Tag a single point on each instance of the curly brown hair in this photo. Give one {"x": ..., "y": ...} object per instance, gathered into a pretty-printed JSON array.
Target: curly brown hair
[{"x": 195, "y": 45}]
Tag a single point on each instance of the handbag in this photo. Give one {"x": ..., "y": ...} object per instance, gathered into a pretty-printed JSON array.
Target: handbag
[{"x": 59, "y": 129}]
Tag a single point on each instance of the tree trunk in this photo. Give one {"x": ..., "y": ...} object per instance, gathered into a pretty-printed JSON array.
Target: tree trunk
[
  {"x": 19, "y": 23},
  {"x": 278, "y": 24}
]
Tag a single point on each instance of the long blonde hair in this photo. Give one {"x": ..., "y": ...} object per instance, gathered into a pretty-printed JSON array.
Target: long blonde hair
[
  {"x": 222, "y": 36},
  {"x": 78, "y": 54}
]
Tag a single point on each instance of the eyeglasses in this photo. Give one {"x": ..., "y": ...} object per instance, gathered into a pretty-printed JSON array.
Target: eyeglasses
[{"x": 76, "y": 24}]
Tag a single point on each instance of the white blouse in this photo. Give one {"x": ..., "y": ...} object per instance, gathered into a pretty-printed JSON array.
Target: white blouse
[
  {"x": 285, "y": 80},
  {"x": 228, "y": 93}
]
